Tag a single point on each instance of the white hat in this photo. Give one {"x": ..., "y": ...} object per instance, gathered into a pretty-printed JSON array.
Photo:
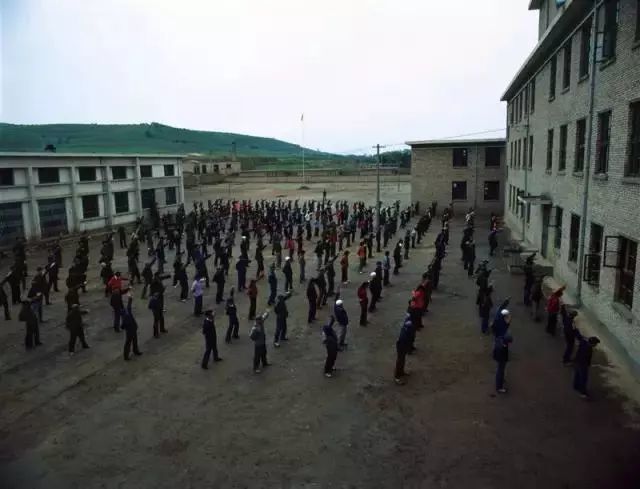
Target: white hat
[
  {"x": 504, "y": 312},
  {"x": 339, "y": 302},
  {"x": 287, "y": 258},
  {"x": 372, "y": 274}
]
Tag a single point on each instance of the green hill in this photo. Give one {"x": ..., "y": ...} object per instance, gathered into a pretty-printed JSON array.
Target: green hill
[{"x": 142, "y": 138}]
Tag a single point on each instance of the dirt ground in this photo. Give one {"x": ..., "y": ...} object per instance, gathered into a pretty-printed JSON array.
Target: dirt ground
[{"x": 159, "y": 421}]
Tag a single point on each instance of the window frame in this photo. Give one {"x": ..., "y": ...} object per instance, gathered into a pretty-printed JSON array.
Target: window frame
[
  {"x": 566, "y": 65},
  {"x": 455, "y": 162},
  {"x": 581, "y": 145},
  {"x": 625, "y": 279},
  {"x": 149, "y": 167},
  {"x": 574, "y": 239},
  {"x": 532, "y": 95},
  {"x": 172, "y": 173},
  {"x": 7, "y": 172},
  {"x": 603, "y": 145},
  {"x": 147, "y": 191},
  {"x": 495, "y": 158},
  {"x": 497, "y": 190},
  {"x": 82, "y": 169},
  {"x": 557, "y": 238},
  {"x": 553, "y": 74},
  {"x": 610, "y": 11},
  {"x": 119, "y": 168},
  {"x": 585, "y": 49},
  {"x": 85, "y": 214},
  {"x": 562, "y": 155},
  {"x": 116, "y": 195},
  {"x": 166, "y": 195},
  {"x": 550, "y": 142},
  {"x": 632, "y": 166},
  {"x": 48, "y": 169},
  {"x": 453, "y": 187},
  {"x": 531, "y": 152}
]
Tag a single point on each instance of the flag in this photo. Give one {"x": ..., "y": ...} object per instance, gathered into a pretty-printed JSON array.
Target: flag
[{"x": 302, "y": 117}]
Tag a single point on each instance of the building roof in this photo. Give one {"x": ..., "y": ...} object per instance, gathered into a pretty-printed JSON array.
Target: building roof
[
  {"x": 448, "y": 143},
  {"x": 51, "y": 154},
  {"x": 563, "y": 24},
  {"x": 535, "y": 4}
]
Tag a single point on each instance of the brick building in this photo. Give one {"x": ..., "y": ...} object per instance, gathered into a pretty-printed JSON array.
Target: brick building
[
  {"x": 468, "y": 173},
  {"x": 573, "y": 155}
]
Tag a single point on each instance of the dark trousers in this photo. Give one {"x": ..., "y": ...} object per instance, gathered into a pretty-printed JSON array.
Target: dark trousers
[
  {"x": 281, "y": 330},
  {"x": 287, "y": 283},
  {"x": 552, "y": 321},
  {"x": 53, "y": 282},
  {"x": 232, "y": 329},
  {"x": 77, "y": 335},
  {"x": 197, "y": 305},
  {"x": 131, "y": 340},
  {"x": 272, "y": 296},
  {"x": 242, "y": 280},
  {"x": 332, "y": 354},
  {"x": 580, "y": 378},
  {"x": 123, "y": 243},
  {"x": 184, "y": 290},
  {"x": 15, "y": 294},
  {"x": 7, "y": 314},
  {"x": 401, "y": 357},
  {"x": 568, "y": 351},
  {"x": 500, "y": 374},
  {"x": 219, "y": 293},
  {"x": 312, "y": 310},
  {"x": 363, "y": 313},
  {"x": 385, "y": 277},
  {"x": 259, "y": 356},
  {"x": 158, "y": 323},
  {"x": 144, "y": 289},
  {"x": 32, "y": 336},
  {"x": 211, "y": 346},
  {"x": 117, "y": 318},
  {"x": 252, "y": 307},
  {"x": 527, "y": 296},
  {"x": 322, "y": 297},
  {"x": 345, "y": 274},
  {"x": 484, "y": 324}
]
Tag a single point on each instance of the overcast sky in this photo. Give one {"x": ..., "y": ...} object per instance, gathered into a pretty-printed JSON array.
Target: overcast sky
[{"x": 362, "y": 71}]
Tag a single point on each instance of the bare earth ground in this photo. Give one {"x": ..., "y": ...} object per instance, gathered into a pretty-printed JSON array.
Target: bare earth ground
[{"x": 94, "y": 421}]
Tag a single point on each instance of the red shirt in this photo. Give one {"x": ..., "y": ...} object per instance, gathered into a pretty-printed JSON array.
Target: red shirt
[
  {"x": 553, "y": 304},
  {"x": 115, "y": 282},
  {"x": 362, "y": 294}
]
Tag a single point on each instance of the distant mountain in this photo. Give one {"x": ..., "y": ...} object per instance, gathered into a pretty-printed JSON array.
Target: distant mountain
[{"x": 142, "y": 138}]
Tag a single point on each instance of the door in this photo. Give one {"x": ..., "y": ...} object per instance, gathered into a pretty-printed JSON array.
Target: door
[
  {"x": 53, "y": 217},
  {"x": 546, "y": 217},
  {"x": 11, "y": 225}
]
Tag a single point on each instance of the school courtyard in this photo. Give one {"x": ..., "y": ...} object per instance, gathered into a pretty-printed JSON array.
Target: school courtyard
[{"x": 160, "y": 421}]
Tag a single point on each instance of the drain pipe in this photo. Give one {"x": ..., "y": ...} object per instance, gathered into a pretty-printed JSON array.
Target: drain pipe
[{"x": 587, "y": 165}]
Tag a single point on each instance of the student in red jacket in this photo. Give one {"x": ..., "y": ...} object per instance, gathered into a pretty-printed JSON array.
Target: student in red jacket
[{"x": 553, "y": 309}]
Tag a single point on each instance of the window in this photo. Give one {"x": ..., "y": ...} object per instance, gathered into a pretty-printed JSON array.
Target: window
[
  {"x": 122, "y": 202},
  {"x": 491, "y": 190},
  {"x": 528, "y": 213},
  {"x": 581, "y": 133},
  {"x": 530, "y": 152},
  {"x": 169, "y": 170},
  {"x": 511, "y": 113},
  {"x": 148, "y": 197},
  {"x": 204, "y": 168},
  {"x": 196, "y": 169},
  {"x": 526, "y": 99},
  {"x": 574, "y": 237},
  {"x": 566, "y": 65},
  {"x": 594, "y": 258},
  {"x": 90, "y": 207},
  {"x": 87, "y": 174},
  {"x": 525, "y": 158},
  {"x": 145, "y": 171},
  {"x": 511, "y": 154},
  {"x": 492, "y": 156},
  {"x": 6, "y": 177},
  {"x": 637, "y": 37},
  {"x": 585, "y": 48},
  {"x": 602, "y": 145},
  {"x": 609, "y": 11},
  {"x": 562, "y": 158},
  {"x": 532, "y": 95},
  {"x": 626, "y": 272},
  {"x": 48, "y": 175},
  {"x": 633, "y": 165},
  {"x": 557, "y": 241},
  {"x": 553, "y": 68},
  {"x": 228, "y": 166},
  {"x": 119, "y": 172},
  {"x": 459, "y": 190},
  {"x": 170, "y": 196},
  {"x": 549, "y": 149},
  {"x": 518, "y": 153},
  {"x": 460, "y": 156}
]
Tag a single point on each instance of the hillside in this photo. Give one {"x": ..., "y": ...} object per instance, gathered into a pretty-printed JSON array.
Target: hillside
[{"x": 142, "y": 138}]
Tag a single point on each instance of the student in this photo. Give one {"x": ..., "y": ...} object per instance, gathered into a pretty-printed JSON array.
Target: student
[
  {"x": 259, "y": 338},
  {"x": 232, "y": 312},
  {"x": 197, "y": 290},
  {"x": 501, "y": 353},
  {"x": 553, "y": 308},
  {"x": 364, "y": 302},
  {"x": 404, "y": 346},
  {"x": 330, "y": 341},
  {"x": 582, "y": 363},
  {"x": 210, "y": 339}
]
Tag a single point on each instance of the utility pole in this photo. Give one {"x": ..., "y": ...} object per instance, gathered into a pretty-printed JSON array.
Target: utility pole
[{"x": 378, "y": 187}]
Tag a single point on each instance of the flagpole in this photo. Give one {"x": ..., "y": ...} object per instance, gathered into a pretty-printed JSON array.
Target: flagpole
[{"x": 302, "y": 123}]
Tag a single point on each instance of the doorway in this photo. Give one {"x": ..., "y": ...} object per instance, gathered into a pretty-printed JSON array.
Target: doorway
[{"x": 546, "y": 219}]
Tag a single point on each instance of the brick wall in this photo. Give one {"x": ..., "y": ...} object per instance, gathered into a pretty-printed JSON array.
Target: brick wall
[{"x": 613, "y": 200}]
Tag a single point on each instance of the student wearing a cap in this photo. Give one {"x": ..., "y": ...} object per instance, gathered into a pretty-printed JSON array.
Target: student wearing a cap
[
  {"x": 582, "y": 362},
  {"x": 342, "y": 317},
  {"x": 375, "y": 286},
  {"x": 288, "y": 274},
  {"x": 363, "y": 299},
  {"x": 76, "y": 328},
  {"x": 501, "y": 352},
  {"x": 210, "y": 339}
]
